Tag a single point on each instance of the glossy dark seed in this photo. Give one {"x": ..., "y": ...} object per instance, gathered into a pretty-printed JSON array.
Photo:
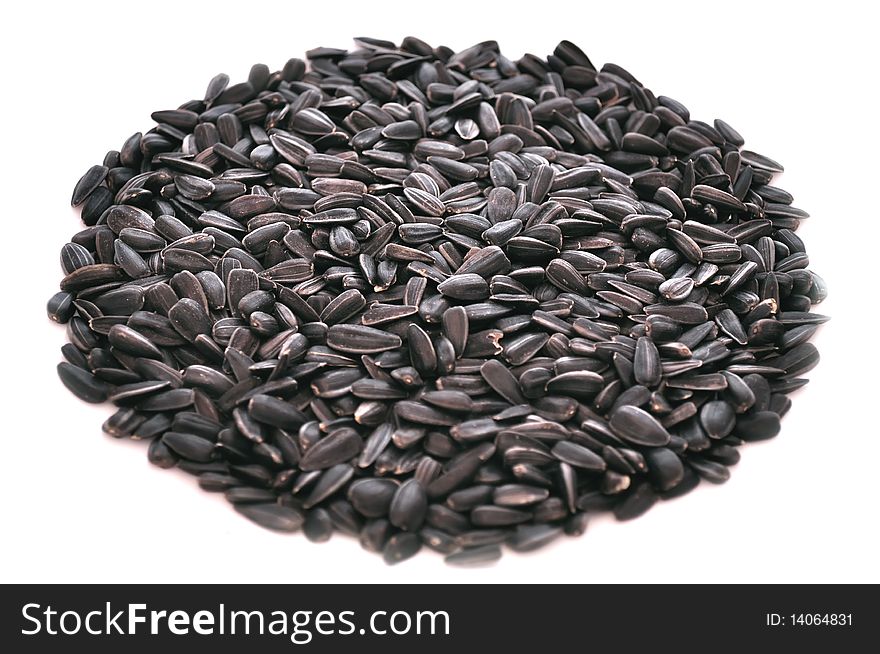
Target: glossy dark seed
[
  {"x": 60, "y": 307},
  {"x": 401, "y": 547},
  {"x": 475, "y": 556},
  {"x": 372, "y": 497},
  {"x": 711, "y": 471},
  {"x": 502, "y": 381},
  {"x": 343, "y": 306},
  {"x": 331, "y": 480},
  {"x": 273, "y": 516},
  {"x": 337, "y": 447},
  {"x": 88, "y": 183},
  {"x": 497, "y": 516},
  {"x": 375, "y": 535},
  {"x": 467, "y": 287},
  {"x": 646, "y": 363},
  {"x": 74, "y": 256},
  {"x": 578, "y": 456},
  {"x": 455, "y": 327},
  {"x": 664, "y": 467},
  {"x": 637, "y": 501},
  {"x": 408, "y": 506},
  {"x": 757, "y": 425},
  {"x": 580, "y": 384},
  {"x": 189, "y": 446},
  {"x": 82, "y": 383},
  {"x": 717, "y": 418},
  {"x": 159, "y": 454},
  {"x": 527, "y": 538},
  {"x": 638, "y": 427},
  {"x": 518, "y": 495},
  {"x": 318, "y": 526},
  {"x": 421, "y": 350},
  {"x": 358, "y": 339},
  {"x": 276, "y": 412}
]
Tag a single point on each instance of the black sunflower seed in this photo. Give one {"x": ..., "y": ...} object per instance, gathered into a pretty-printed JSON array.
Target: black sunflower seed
[
  {"x": 578, "y": 456},
  {"x": 664, "y": 467},
  {"x": 757, "y": 425},
  {"x": 330, "y": 481},
  {"x": 358, "y": 339},
  {"x": 502, "y": 381},
  {"x": 717, "y": 418},
  {"x": 189, "y": 446},
  {"x": 372, "y": 497},
  {"x": 82, "y": 383},
  {"x": 408, "y": 506},
  {"x": 646, "y": 363},
  {"x": 318, "y": 526},
  {"x": 467, "y": 287},
  {"x": 497, "y": 516},
  {"x": 60, "y": 307},
  {"x": 518, "y": 495},
  {"x": 637, "y": 501},
  {"x": 73, "y": 256},
  {"x": 337, "y": 447},
  {"x": 401, "y": 547},
  {"x": 273, "y": 516},
  {"x": 579, "y": 383},
  {"x": 638, "y": 427},
  {"x": 93, "y": 177},
  {"x": 475, "y": 556},
  {"x": 421, "y": 350}
]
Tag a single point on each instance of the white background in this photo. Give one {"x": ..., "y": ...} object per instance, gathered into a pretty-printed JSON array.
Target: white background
[{"x": 799, "y": 84}]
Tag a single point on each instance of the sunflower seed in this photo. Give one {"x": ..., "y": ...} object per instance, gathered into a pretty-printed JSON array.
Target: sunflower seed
[
  {"x": 357, "y": 339},
  {"x": 82, "y": 383},
  {"x": 638, "y": 427},
  {"x": 372, "y": 497},
  {"x": 475, "y": 556},
  {"x": 467, "y": 287},
  {"x": 664, "y": 467},
  {"x": 273, "y": 516},
  {"x": 578, "y": 456},
  {"x": 401, "y": 547},
  {"x": 638, "y": 501},
  {"x": 646, "y": 363},
  {"x": 408, "y": 506},
  {"x": 189, "y": 446},
  {"x": 337, "y": 447},
  {"x": 518, "y": 495},
  {"x": 758, "y": 425},
  {"x": 88, "y": 183}
]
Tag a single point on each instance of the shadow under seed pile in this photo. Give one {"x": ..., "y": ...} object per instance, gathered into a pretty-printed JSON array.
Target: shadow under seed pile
[{"x": 438, "y": 298}]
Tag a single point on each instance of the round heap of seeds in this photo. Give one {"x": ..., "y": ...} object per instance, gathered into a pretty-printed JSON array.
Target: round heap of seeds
[{"x": 437, "y": 298}]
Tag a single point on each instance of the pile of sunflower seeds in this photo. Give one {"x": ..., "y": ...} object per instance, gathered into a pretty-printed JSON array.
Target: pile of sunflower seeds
[{"x": 437, "y": 298}]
